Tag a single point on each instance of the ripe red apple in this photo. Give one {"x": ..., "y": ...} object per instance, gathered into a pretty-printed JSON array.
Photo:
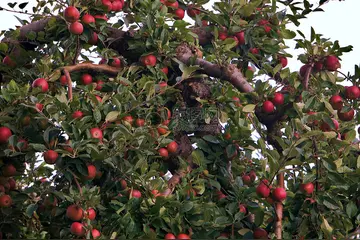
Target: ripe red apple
[
  {"x": 204, "y": 23},
  {"x": 71, "y": 14},
  {"x": 74, "y": 212},
  {"x": 165, "y": 70},
  {"x": 77, "y": 114},
  {"x": 115, "y": 62},
  {"x": 77, "y": 229},
  {"x": 99, "y": 85},
  {"x": 169, "y": 236},
  {"x": 220, "y": 195},
  {"x": 267, "y": 28},
  {"x": 326, "y": 128},
  {"x": 107, "y": 4},
  {"x": 332, "y": 63},
  {"x": 263, "y": 190},
  {"x": 172, "y": 147},
  {"x": 140, "y": 122},
  {"x": 179, "y": 13},
  {"x": 307, "y": 188},
  {"x": 346, "y": 116},
  {"x": 352, "y": 92},
  {"x": 117, "y": 6},
  {"x": 278, "y": 99},
  {"x": 242, "y": 208},
  {"x": 91, "y": 172},
  {"x": 50, "y": 156},
  {"x": 12, "y": 184},
  {"x": 63, "y": 80},
  {"x": 163, "y": 152},
  {"x": 268, "y": 106},
  {"x": 279, "y": 194},
  {"x": 192, "y": 11},
  {"x": 223, "y": 35},
  {"x": 102, "y": 17},
  {"x": 241, "y": 37},
  {"x": 263, "y": 22},
  {"x": 25, "y": 144},
  {"x": 318, "y": 66},
  {"x": 260, "y": 233},
  {"x": 93, "y": 38},
  {"x": 183, "y": 236},
  {"x": 76, "y": 28},
  {"x": 128, "y": 119},
  {"x": 96, "y": 133},
  {"x": 174, "y": 4},
  {"x": 303, "y": 70},
  {"x": 88, "y": 19},
  {"x": 336, "y": 102},
  {"x": 254, "y": 51},
  {"x": 136, "y": 193},
  {"x": 149, "y": 60},
  {"x": 91, "y": 214},
  {"x": 8, "y": 170},
  {"x": 95, "y": 233},
  {"x": 86, "y": 79},
  {"x": 5, "y": 134},
  {"x": 227, "y": 136},
  {"x": 41, "y": 82},
  {"x": 246, "y": 179},
  {"x": 2, "y": 189},
  {"x": 123, "y": 184},
  {"x": 283, "y": 60},
  {"x": 5, "y": 201},
  {"x": 9, "y": 62},
  {"x": 252, "y": 175},
  {"x": 162, "y": 131}
]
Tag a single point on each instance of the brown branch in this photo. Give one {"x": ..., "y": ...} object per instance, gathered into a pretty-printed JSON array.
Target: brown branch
[
  {"x": 230, "y": 73},
  {"x": 68, "y": 77},
  {"x": 94, "y": 67},
  {"x": 77, "y": 50},
  {"x": 279, "y": 210},
  {"x": 307, "y": 76},
  {"x": 77, "y": 182}
]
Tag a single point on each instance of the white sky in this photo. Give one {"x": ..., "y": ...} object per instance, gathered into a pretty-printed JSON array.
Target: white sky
[{"x": 335, "y": 23}]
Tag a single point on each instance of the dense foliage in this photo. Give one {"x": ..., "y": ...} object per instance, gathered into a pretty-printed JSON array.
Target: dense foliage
[{"x": 181, "y": 130}]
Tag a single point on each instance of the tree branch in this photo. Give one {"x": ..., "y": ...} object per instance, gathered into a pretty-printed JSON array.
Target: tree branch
[
  {"x": 67, "y": 75},
  {"x": 94, "y": 67}
]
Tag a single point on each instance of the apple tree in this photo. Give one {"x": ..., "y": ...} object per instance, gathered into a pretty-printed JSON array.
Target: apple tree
[{"x": 191, "y": 125}]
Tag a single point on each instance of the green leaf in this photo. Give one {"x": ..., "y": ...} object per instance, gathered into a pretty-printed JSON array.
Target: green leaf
[
  {"x": 31, "y": 209},
  {"x": 187, "y": 206},
  {"x": 97, "y": 115},
  {"x": 3, "y": 47},
  {"x": 23, "y": 5},
  {"x": 249, "y": 108},
  {"x": 326, "y": 228},
  {"x": 198, "y": 157},
  {"x": 351, "y": 209},
  {"x": 112, "y": 116}
]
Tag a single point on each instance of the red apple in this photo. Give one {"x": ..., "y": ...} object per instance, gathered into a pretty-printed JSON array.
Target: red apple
[
  {"x": 140, "y": 122},
  {"x": 242, "y": 208},
  {"x": 74, "y": 212},
  {"x": 172, "y": 147},
  {"x": 192, "y": 11},
  {"x": 102, "y": 17},
  {"x": 263, "y": 190},
  {"x": 50, "y": 156},
  {"x": 136, "y": 193},
  {"x": 173, "y": 4},
  {"x": 346, "y": 116},
  {"x": 149, "y": 60},
  {"x": 163, "y": 152},
  {"x": 254, "y": 51},
  {"x": 318, "y": 66},
  {"x": 63, "y": 80},
  {"x": 283, "y": 60},
  {"x": 352, "y": 92},
  {"x": 90, "y": 214},
  {"x": 267, "y": 28},
  {"x": 260, "y": 233},
  {"x": 241, "y": 37},
  {"x": 12, "y": 184},
  {"x": 76, "y": 28},
  {"x": 115, "y": 62},
  {"x": 336, "y": 102},
  {"x": 93, "y": 39},
  {"x": 263, "y": 22},
  {"x": 71, "y": 14},
  {"x": 8, "y": 170},
  {"x": 223, "y": 35},
  {"x": 169, "y": 236},
  {"x": 123, "y": 184},
  {"x": 268, "y": 106},
  {"x": 95, "y": 233},
  {"x": 42, "y": 83},
  {"x": 2, "y": 189},
  {"x": 86, "y": 79},
  {"x": 279, "y": 194},
  {"x": 96, "y": 133},
  {"x": 162, "y": 131},
  {"x": 77, "y": 114},
  {"x": 252, "y": 175},
  {"x": 165, "y": 70},
  {"x": 326, "y": 128},
  {"x": 117, "y": 6},
  {"x": 99, "y": 85},
  {"x": 278, "y": 99},
  {"x": 303, "y": 70},
  {"x": 183, "y": 236},
  {"x": 227, "y": 136},
  {"x": 307, "y": 188},
  {"x": 179, "y": 13},
  {"x": 9, "y": 62},
  {"x": 77, "y": 229},
  {"x": 5, "y": 134},
  {"x": 107, "y": 4},
  {"x": 332, "y": 63},
  {"x": 5, "y": 201},
  {"x": 88, "y": 19},
  {"x": 246, "y": 179},
  {"x": 128, "y": 119},
  {"x": 220, "y": 195},
  {"x": 91, "y": 172}
]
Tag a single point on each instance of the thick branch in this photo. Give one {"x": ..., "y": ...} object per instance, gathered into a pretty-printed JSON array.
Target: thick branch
[
  {"x": 68, "y": 77},
  {"x": 279, "y": 210},
  {"x": 94, "y": 67},
  {"x": 307, "y": 76}
]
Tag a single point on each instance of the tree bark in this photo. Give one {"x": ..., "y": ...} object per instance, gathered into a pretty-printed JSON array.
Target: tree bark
[{"x": 279, "y": 209}]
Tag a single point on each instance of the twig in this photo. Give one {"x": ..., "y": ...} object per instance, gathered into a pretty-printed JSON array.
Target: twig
[
  {"x": 307, "y": 76},
  {"x": 18, "y": 12},
  {"x": 77, "y": 182},
  {"x": 77, "y": 50},
  {"x": 67, "y": 75}
]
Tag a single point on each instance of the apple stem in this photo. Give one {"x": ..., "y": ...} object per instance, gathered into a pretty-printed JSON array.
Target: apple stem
[
  {"x": 77, "y": 182},
  {"x": 67, "y": 75}
]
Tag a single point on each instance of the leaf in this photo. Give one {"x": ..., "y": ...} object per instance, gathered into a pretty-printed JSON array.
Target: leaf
[
  {"x": 23, "y": 5},
  {"x": 351, "y": 209},
  {"x": 187, "y": 207},
  {"x": 215, "y": 184},
  {"x": 112, "y": 116},
  {"x": 3, "y": 47},
  {"x": 97, "y": 115},
  {"x": 211, "y": 139},
  {"x": 326, "y": 228},
  {"x": 249, "y": 108},
  {"x": 31, "y": 209},
  {"x": 198, "y": 157},
  {"x": 221, "y": 220}
]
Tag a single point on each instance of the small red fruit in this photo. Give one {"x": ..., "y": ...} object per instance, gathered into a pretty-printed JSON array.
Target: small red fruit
[
  {"x": 9, "y": 62},
  {"x": 283, "y": 60},
  {"x": 241, "y": 37},
  {"x": 179, "y": 13},
  {"x": 263, "y": 190},
  {"x": 252, "y": 175},
  {"x": 165, "y": 70},
  {"x": 63, "y": 80},
  {"x": 91, "y": 172},
  {"x": 149, "y": 60},
  {"x": 263, "y": 22},
  {"x": 95, "y": 233},
  {"x": 86, "y": 79},
  {"x": 227, "y": 136},
  {"x": 267, "y": 28},
  {"x": 5, "y": 201},
  {"x": 41, "y": 82},
  {"x": 107, "y": 4},
  {"x": 8, "y": 170},
  {"x": 174, "y": 5},
  {"x": 352, "y": 92},
  {"x": 260, "y": 233},
  {"x": 242, "y": 208},
  {"x": 50, "y": 156},
  {"x": 74, "y": 212},
  {"x": 246, "y": 179},
  {"x": 183, "y": 236},
  {"x": 77, "y": 229},
  {"x": 117, "y": 6},
  {"x": 77, "y": 114},
  {"x": 71, "y": 14},
  {"x": 307, "y": 188},
  {"x": 88, "y": 19},
  {"x": 5, "y": 134},
  {"x": 102, "y": 17},
  {"x": 161, "y": 130},
  {"x": 136, "y": 193},
  {"x": 12, "y": 184},
  {"x": 128, "y": 119},
  {"x": 278, "y": 99},
  {"x": 332, "y": 63},
  {"x": 268, "y": 107},
  {"x": 318, "y": 66},
  {"x": 192, "y": 11},
  {"x": 39, "y": 106},
  {"x": 326, "y": 128},
  {"x": 169, "y": 236},
  {"x": 76, "y": 28},
  {"x": 99, "y": 85},
  {"x": 223, "y": 35},
  {"x": 163, "y": 152},
  {"x": 140, "y": 122},
  {"x": 96, "y": 133},
  {"x": 115, "y": 62},
  {"x": 346, "y": 116},
  {"x": 304, "y": 69},
  {"x": 336, "y": 102},
  {"x": 172, "y": 147},
  {"x": 254, "y": 50},
  {"x": 93, "y": 39},
  {"x": 279, "y": 194},
  {"x": 91, "y": 214}
]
